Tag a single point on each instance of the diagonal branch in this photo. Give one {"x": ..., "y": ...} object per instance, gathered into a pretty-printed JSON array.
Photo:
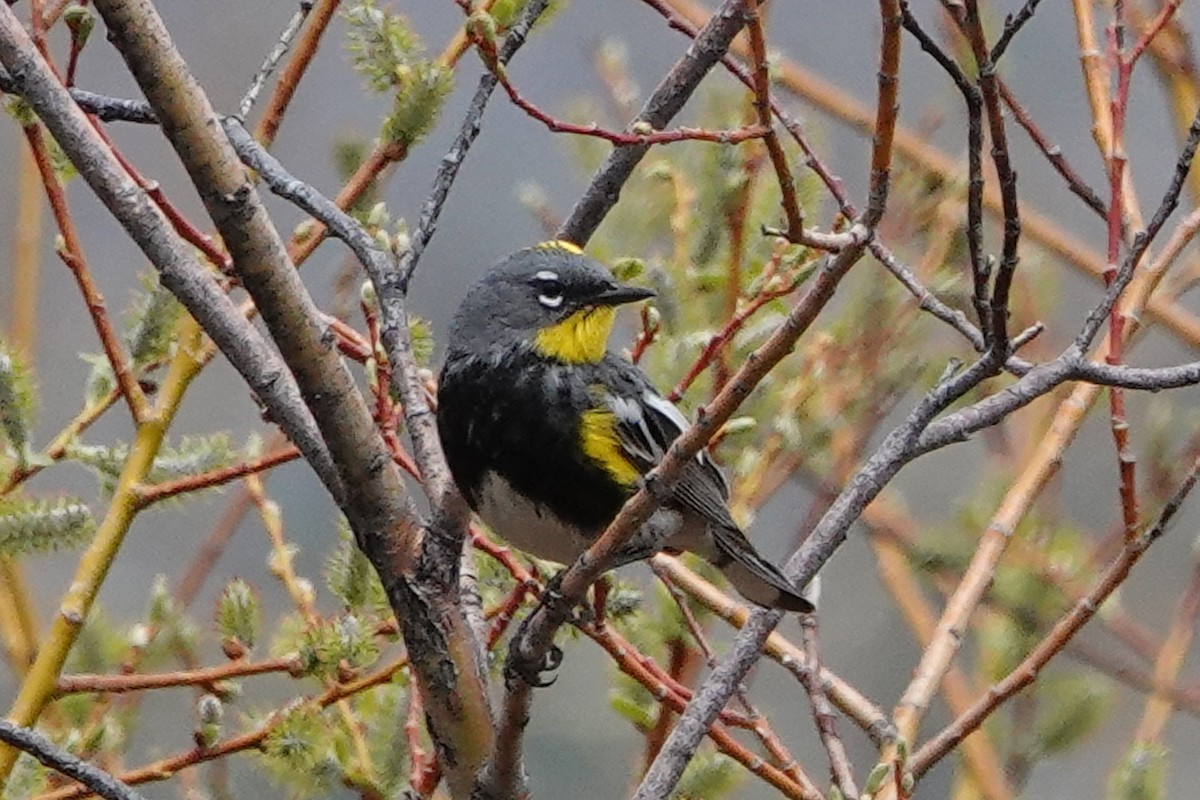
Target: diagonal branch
[
  {"x": 375, "y": 500},
  {"x": 1024, "y": 673},
  {"x": 45, "y": 751},
  {"x": 668, "y": 98}
]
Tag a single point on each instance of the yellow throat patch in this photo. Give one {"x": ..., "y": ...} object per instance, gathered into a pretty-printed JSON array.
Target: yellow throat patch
[
  {"x": 580, "y": 338},
  {"x": 598, "y": 438}
]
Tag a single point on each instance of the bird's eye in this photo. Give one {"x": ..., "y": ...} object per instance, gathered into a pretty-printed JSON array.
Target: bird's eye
[{"x": 550, "y": 289}]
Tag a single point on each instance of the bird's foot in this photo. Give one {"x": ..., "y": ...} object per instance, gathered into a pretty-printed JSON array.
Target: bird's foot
[{"x": 524, "y": 662}]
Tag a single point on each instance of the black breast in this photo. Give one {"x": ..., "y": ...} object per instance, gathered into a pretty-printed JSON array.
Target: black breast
[{"x": 520, "y": 418}]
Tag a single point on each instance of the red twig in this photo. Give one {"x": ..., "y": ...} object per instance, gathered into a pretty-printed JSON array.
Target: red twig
[
  {"x": 217, "y": 477},
  {"x": 423, "y": 773},
  {"x": 634, "y": 137},
  {"x": 762, "y": 107},
  {"x": 1054, "y": 641},
  {"x": 645, "y": 337},
  {"x": 727, "y": 332},
  {"x": 205, "y": 677},
  {"x": 1153, "y": 29},
  {"x": 72, "y": 255},
  {"x": 1126, "y": 461}
]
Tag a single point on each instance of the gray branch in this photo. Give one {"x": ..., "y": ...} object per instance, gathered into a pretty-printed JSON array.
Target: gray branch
[
  {"x": 272, "y": 59},
  {"x": 666, "y": 101},
  {"x": 196, "y": 287},
  {"x": 54, "y": 757}
]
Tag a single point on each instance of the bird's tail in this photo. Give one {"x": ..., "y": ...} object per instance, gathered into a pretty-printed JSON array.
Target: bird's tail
[{"x": 755, "y": 578}]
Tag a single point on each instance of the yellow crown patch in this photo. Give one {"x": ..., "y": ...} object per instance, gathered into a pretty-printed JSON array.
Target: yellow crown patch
[{"x": 560, "y": 244}]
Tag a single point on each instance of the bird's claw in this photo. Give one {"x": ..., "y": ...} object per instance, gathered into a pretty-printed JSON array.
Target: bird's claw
[{"x": 531, "y": 671}]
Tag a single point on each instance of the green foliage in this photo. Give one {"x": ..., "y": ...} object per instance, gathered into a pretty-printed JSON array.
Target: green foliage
[
  {"x": 288, "y": 635},
  {"x": 1142, "y": 775},
  {"x": 634, "y": 702},
  {"x": 192, "y": 456},
  {"x": 20, "y": 110},
  {"x": 333, "y": 645},
  {"x": 100, "y": 381},
  {"x": 505, "y": 12},
  {"x": 1071, "y": 708},
  {"x": 63, "y": 168},
  {"x": 210, "y": 710},
  {"x": 175, "y": 631},
  {"x": 151, "y": 322},
  {"x": 421, "y": 89},
  {"x": 421, "y": 333},
  {"x": 239, "y": 615},
  {"x": 876, "y": 777},
  {"x": 30, "y": 525},
  {"x": 16, "y": 401},
  {"x": 352, "y": 579},
  {"x": 298, "y": 752},
  {"x": 708, "y": 776},
  {"x": 28, "y": 778},
  {"x": 101, "y": 647},
  {"x": 349, "y": 152},
  {"x": 386, "y": 50},
  {"x": 80, "y": 21}
]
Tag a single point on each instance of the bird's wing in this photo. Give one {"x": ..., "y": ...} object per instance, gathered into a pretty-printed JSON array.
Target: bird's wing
[{"x": 646, "y": 425}]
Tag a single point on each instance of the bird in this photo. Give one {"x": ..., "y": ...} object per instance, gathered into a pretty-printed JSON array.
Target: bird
[{"x": 547, "y": 433}]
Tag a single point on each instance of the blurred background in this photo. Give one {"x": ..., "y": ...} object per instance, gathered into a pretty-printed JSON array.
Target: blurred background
[{"x": 578, "y": 745}]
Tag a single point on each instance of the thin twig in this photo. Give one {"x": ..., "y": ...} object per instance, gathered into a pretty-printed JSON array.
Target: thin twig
[
  {"x": 664, "y": 103},
  {"x": 45, "y": 751},
  {"x": 1024, "y": 673},
  {"x": 272, "y": 59},
  {"x": 824, "y": 717}
]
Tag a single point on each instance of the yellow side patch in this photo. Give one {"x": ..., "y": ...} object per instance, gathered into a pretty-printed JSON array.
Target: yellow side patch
[
  {"x": 560, "y": 244},
  {"x": 598, "y": 438},
  {"x": 580, "y": 338}
]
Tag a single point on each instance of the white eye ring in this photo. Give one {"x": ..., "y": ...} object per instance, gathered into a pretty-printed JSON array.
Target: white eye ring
[
  {"x": 546, "y": 275},
  {"x": 550, "y": 301}
]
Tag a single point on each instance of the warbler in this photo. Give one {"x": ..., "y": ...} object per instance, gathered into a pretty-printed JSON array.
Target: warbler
[{"x": 547, "y": 434}]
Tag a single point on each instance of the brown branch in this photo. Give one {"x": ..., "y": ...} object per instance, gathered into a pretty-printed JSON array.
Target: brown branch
[
  {"x": 149, "y": 495},
  {"x": 386, "y": 524},
  {"x": 762, "y": 107},
  {"x": 684, "y": 16},
  {"x": 1116, "y": 159},
  {"x": 289, "y": 77},
  {"x": 859, "y": 709},
  {"x": 206, "y": 677},
  {"x": 637, "y": 135},
  {"x": 1006, "y": 177},
  {"x": 1024, "y": 673},
  {"x": 72, "y": 255},
  {"x": 168, "y": 767}
]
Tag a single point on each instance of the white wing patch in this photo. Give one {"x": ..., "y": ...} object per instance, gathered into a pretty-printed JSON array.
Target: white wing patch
[
  {"x": 648, "y": 426},
  {"x": 667, "y": 409}
]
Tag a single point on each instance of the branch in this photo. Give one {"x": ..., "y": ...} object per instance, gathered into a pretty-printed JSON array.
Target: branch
[
  {"x": 668, "y": 98},
  {"x": 272, "y": 59},
  {"x": 178, "y": 269},
  {"x": 1062, "y": 632},
  {"x": 45, "y": 751},
  {"x": 385, "y": 522},
  {"x": 680, "y": 746}
]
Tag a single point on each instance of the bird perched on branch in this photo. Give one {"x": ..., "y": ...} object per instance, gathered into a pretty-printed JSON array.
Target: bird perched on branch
[{"x": 547, "y": 434}]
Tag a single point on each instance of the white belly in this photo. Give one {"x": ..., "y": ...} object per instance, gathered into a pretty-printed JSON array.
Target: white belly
[
  {"x": 527, "y": 526},
  {"x": 538, "y": 531}
]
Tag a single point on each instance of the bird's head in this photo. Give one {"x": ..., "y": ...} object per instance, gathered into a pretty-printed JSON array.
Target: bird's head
[{"x": 551, "y": 297}]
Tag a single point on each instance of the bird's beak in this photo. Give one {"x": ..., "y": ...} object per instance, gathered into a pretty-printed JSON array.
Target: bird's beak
[{"x": 620, "y": 295}]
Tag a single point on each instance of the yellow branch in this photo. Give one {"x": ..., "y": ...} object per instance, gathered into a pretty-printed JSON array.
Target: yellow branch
[
  {"x": 18, "y": 625},
  {"x": 40, "y": 684}
]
